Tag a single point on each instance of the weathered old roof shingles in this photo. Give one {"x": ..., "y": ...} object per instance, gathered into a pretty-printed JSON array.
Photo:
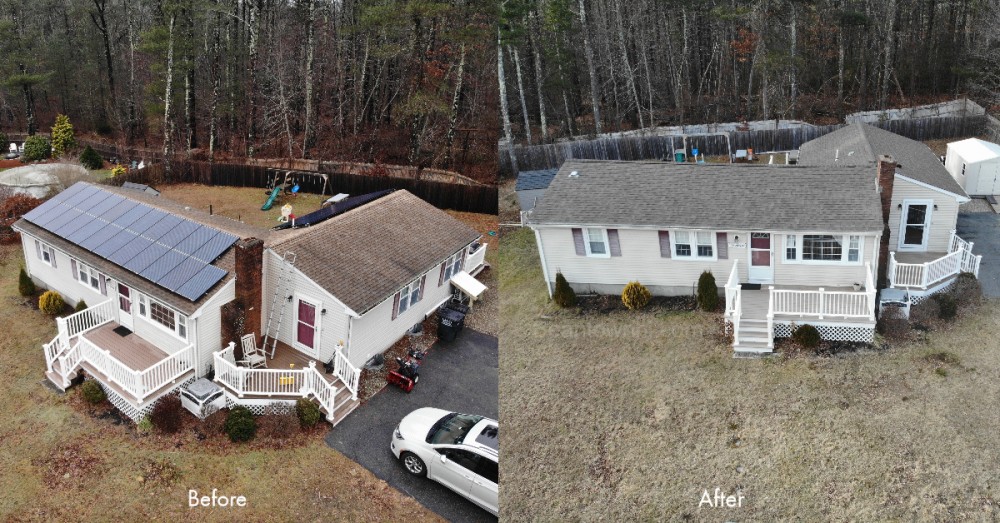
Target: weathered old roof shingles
[
  {"x": 365, "y": 255},
  {"x": 862, "y": 144},
  {"x": 720, "y": 197}
]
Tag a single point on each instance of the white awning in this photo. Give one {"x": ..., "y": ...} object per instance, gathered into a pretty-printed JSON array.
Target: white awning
[{"x": 464, "y": 282}]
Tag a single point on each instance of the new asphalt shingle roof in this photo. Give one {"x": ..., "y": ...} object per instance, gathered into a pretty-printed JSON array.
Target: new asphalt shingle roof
[
  {"x": 862, "y": 144},
  {"x": 712, "y": 196},
  {"x": 530, "y": 180},
  {"x": 367, "y": 254}
]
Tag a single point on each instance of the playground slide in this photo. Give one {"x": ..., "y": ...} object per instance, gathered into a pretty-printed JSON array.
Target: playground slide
[{"x": 271, "y": 199}]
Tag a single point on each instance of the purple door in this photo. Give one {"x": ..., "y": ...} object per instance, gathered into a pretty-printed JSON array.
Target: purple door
[{"x": 306, "y": 325}]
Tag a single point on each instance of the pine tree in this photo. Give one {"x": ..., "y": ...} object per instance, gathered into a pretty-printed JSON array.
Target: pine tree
[{"x": 62, "y": 136}]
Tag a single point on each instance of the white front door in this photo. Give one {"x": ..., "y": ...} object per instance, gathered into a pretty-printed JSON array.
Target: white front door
[
  {"x": 761, "y": 267},
  {"x": 915, "y": 225},
  {"x": 125, "y": 299}
]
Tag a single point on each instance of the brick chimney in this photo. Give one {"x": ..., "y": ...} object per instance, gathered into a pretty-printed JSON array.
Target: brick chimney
[
  {"x": 886, "y": 177},
  {"x": 249, "y": 273}
]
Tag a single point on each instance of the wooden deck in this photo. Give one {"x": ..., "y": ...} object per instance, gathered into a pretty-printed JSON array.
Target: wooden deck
[
  {"x": 285, "y": 357},
  {"x": 133, "y": 351}
]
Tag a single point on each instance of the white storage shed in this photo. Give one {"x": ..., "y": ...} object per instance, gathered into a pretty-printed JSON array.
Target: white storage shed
[{"x": 975, "y": 165}]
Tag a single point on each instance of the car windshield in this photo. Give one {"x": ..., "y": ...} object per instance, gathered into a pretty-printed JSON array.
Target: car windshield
[{"x": 452, "y": 429}]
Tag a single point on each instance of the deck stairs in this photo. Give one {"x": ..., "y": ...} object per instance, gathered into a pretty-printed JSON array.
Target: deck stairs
[{"x": 752, "y": 337}]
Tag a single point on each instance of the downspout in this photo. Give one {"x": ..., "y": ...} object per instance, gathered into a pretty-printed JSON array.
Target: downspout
[
  {"x": 350, "y": 329},
  {"x": 545, "y": 270}
]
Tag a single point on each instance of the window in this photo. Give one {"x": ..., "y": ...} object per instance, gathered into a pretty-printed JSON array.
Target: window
[
  {"x": 488, "y": 470},
  {"x": 854, "y": 249},
  {"x": 46, "y": 253},
  {"x": 705, "y": 246},
  {"x": 597, "y": 243},
  {"x": 89, "y": 276},
  {"x": 163, "y": 315},
  {"x": 409, "y": 296},
  {"x": 452, "y": 266},
  {"x": 682, "y": 243},
  {"x": 694, "y": 244},
  {"x": 790, "y": 248},
  {"x": 822, "y": 247}
]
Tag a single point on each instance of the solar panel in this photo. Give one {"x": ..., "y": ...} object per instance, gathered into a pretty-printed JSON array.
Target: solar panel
[
  {"x": 201, "y": 282},
  {"x": 130, "y": 250},
  {"x": 215, "y": 246},
  {"x": 169, "y": 250},
  {"x": 145, "y": 258},
  {"x": 85, "y": 232},
  {"x": 99, "y": 237},
  {"x": 163, "y": 266}
]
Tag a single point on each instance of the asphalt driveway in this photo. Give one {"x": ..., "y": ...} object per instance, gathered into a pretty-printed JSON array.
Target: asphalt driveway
[
  {"x": 984, "y": 229},
  {"x": 460, "y": 376}
]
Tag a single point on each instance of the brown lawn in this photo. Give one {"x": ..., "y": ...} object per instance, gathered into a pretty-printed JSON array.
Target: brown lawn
[{"x": 631, "y": 416}]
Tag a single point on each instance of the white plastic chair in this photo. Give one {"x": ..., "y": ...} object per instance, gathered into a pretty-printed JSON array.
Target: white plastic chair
[{"x": 252, "y": 356}]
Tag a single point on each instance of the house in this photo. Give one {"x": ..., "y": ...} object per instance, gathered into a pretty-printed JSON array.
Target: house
[
  {"x": 975, "y": 165},
  {"x": 787, "y": 244},
  {"x": 924, "y": 253},
  {"x": 159, "y": 278},
  {"x": 531, "y": 185}
]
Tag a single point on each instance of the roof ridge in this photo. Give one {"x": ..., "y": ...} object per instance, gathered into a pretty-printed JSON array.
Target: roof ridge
[{"x": 867, "y": 142}]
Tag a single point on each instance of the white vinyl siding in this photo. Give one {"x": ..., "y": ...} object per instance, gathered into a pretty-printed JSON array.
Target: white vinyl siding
[
  {"x": 375, "y": 331},
  {"x": 943, "y": 219},
  {"x": 207, "y": 327},
  {"x": 641, "y": 260},
  {"x": 59, "y": 278},
  {"x": 334, "y": 324}
]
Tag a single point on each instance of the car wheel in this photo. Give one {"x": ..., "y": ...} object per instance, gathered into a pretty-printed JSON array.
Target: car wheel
[{"x": 413, "y": 464}]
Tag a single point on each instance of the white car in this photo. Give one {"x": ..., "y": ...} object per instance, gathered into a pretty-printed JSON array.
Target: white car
[{"x": 460, "y": 451}]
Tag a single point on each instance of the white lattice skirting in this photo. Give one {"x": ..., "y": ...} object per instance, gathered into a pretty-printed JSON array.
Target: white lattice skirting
[
  {"x": 135, "y": 413},
  {"x": 831, "y": 332},
  {"x": 260, "y": 407}
]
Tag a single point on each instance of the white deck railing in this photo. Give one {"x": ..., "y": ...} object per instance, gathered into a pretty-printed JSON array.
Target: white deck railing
[
  {"x": 822, "y": 303},
  {"x": 925, "y": 275},
  {"x": 139, "y": 383},
  {"x": 304, "y": 382},
  {"x": 85, "y": 320},
  {"x": 52, "y": 351},
  {"x": 476, "y": 259},
  {"x": 734, "y": 305},
  {"x": 347, "y": 373}
]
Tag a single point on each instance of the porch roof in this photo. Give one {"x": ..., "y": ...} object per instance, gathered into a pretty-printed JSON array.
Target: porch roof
[{"x": 713, "y": 196}]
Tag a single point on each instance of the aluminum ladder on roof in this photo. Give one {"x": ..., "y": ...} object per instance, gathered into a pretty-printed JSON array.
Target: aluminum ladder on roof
[{"x": 285, "y": 274}]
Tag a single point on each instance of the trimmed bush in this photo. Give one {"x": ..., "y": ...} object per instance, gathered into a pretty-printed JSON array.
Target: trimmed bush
[
  {"x": 92, "y": 392},
  {"x": 708, "y": 292},
  {"x": 118, "y": 170},
  {"x": 967, "y": 290},
  {"x": 307, "y": 412},
  {"x": 278, "y": 426},
  {"x": 62, "y": 136},
  {"x": 90, "y": 159},
  {"x": 25, "y": 285},
  {"x": 240, "y": 424},
  {"x": 893, "y": 325},
  {"x": 806, "y": 336},
  {"x": 635, "y": 295},
  {"x": 36, "y": 149},
  {"x": 563, "y": 295},
  {"x": 80, "y": 305},
  {"x": 947, "y": 306},
  {"x": 51, "y": 303},
  {"x": 166, "y": 415},
  {"x": 145, "y": 425}
]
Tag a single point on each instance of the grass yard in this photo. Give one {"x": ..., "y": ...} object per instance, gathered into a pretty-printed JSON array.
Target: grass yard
[{"x": 631, "y": 416}]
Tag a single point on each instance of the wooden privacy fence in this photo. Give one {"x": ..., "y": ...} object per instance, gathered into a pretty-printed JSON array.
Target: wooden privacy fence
[
  {"x": 652, "y": 147},
  {"x": 468, "y": 198}
]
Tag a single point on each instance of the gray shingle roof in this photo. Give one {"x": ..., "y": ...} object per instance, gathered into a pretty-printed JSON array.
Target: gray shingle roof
[
  {"x": 712, "y": 196},
  {"x": 529, "y": 180},
  {"x": 862, "y": 144},
  {"x": 365, "y": 255}
]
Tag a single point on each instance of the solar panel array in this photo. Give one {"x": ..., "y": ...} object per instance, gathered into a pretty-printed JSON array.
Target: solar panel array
[{"x": 170, "y": 251}]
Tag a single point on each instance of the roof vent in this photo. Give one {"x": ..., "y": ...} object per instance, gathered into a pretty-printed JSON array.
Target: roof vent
[{"x": 574, "y": 174}]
